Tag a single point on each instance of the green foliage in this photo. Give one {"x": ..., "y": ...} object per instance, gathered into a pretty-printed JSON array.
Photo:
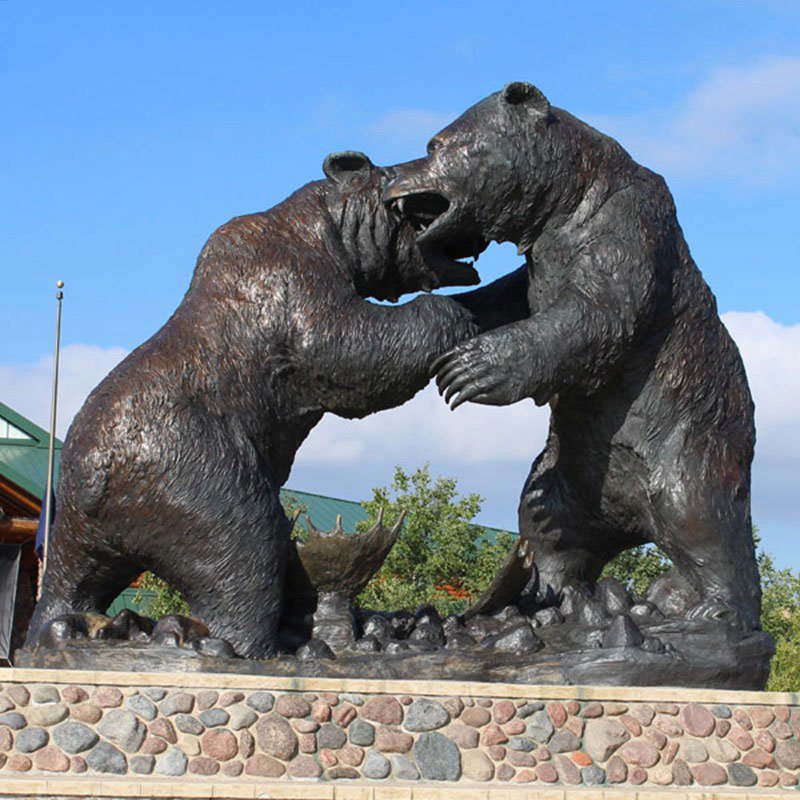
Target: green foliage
[
  {"x": 638, "y": 567},
  {"x": 440, "y": 557},
  {"x": 167, "y": 600},
  {"x": 780, "y": 617}
]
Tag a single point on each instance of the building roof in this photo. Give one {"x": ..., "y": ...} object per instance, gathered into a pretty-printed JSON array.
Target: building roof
[{"x": 23, "y": 458}]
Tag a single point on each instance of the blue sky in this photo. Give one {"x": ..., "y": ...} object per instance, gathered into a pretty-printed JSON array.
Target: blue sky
[{"x": 133, "y": 130}]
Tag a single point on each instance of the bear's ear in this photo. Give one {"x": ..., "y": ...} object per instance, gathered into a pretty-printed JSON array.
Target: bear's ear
[
  {"x": 344, "y": 165},
  {"x": 519, "y": 93}
]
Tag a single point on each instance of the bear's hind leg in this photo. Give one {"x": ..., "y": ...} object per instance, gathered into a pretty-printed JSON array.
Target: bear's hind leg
[
  {"x": 707, "y": 532},
  {"x": 570, "y": 543},
  {"x": 232, "y": 572}
]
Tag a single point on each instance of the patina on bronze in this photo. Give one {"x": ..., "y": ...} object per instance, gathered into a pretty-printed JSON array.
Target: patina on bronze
[{"x": 175, "y": 462}]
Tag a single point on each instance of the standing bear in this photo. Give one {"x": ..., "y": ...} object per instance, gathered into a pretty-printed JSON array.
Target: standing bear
[
  {"x": 175, "y": 462},
  {"x": 611, "y": 323}
]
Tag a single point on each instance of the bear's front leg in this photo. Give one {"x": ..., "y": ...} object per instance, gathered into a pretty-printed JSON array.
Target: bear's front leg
[{"x": 496, "y": 368}]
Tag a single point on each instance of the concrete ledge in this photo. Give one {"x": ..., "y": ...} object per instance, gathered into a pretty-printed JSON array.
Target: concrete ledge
[
  {"x": 440, "y": 688},
  {"x": 87, "y": 787}
]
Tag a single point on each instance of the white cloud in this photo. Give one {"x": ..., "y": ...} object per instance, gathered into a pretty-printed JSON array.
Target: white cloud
[
  {"x": 741, "y": 125},
  {"x": 411, "y": 126},
  {"x": 425, "y": 429},
  {"x": 26, "y": 387}
]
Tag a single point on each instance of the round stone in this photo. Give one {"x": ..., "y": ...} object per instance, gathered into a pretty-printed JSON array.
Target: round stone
[
  {"x": 404, "y": 768},
  {"x": 616, "y": 770},
  {"x": 106, "y": 758},
  {"x": 476, "y": 717},
  {"x": 304, "y": 767},
  {"x": 593, "y": 775},
  {"x": 521, "y": 744},
  {"x": 153, "y": 745},
  {"x": 107, "y": 696},
  {"x": 376, "y": 766},
  {"x": 123, "y": 728},
  {"x": 214, "y": 717},
  {"x": 186, "y": 723},
  {"x": 603, "y": 737},
  {"x": 526, "y": 709},
  {"x": 164, "y": 729},
  {"x": 787, "y": 754},
  {"x": 361, "y": 733},
  {"x": 741, "y": 775},
  {"x": 710, "y": 774},
  {"x": 568, "y": 771},
  {"x": 51, "y": 759},
  {"x": 30, "y": 740},
  {"x": 44, "y": 716},
  {"x": 639, "y": 754},
  {"x": 540, "y": 728},
  {"x": 292, "y": 705},
  {"x": 206, "y": 699},
  {"x": 229, "y": 698},
  {"x": 557, "y": 713},
  {"x": 18, "y": 763},
  {"x": 6, "y": 740},
  {"x": 276, "y": 737},
  {"x": 344, "y": 714},
  {"x": 45, "y": 694},
  {"x": 493, "y": 734},
  {"x": 203, "y": 765},
  {"x": 721, "y": 750},
  {"x": 233, "y": 769},
  {"x": 351, "y": 755},
  {"x": 428, "y": 715},
  {"x": 693, "y": 752},
  {"x": 331, "y": 737},
  {"x": 173, "y": 762},
  {"x": 391, "y": 740},
  {"x": 261, "y": 702},
  {"x": 547, "y": 773},
  {"x": 19, "y": 694},
  {"x": 241, "y": 717},
  {"x": 177, "y": 703},
  {"x": 503, "y": 711},
  {"x": 386, "y": 710},
  {"x": 476, "y": 766},
  {"x": 142, "y": 765},
  {"x": 264, "y": 767},
  {"x": 86, "y": 712},
  {"x": 564, "y": 742},
  {"x": 142, "y": 706},
  {"x": 220, "y": 744},
  {"x": 437, "y": 757},
  {"x": 697, "y": 720},
  {"x": 762, "y": 717}
]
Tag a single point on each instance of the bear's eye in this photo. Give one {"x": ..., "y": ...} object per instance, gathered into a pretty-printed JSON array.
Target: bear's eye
[{"x": 433, "y": 146}]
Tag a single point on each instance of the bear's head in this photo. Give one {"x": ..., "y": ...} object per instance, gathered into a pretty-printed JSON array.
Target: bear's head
[
  {"x": 486, "y": 176},
  {"x": 381, "y": 245}
]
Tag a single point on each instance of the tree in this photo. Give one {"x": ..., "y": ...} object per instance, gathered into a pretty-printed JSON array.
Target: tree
[
  {"x": 780, "y": 617},
  {"x": 441, "y": 557},
  {"x": 638, "y": 567}
]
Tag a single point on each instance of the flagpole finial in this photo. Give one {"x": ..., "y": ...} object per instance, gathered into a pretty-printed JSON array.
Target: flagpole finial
[{"x": 60, "y": 284}]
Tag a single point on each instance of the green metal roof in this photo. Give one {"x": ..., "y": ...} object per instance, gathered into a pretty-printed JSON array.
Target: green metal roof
[
  {"x": 24, "y": 461},
  {"x": 324, "y": 510}
]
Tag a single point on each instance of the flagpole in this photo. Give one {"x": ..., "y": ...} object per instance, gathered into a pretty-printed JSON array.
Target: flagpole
[{"x": 48, "y": 499}]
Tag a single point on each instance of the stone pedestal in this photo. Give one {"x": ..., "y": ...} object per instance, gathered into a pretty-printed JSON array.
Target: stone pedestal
[{"x": 111, "y": 734}]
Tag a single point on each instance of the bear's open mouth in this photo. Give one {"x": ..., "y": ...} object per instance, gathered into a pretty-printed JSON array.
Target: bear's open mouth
[
  {"x": 427, "y": 213},
  {"x": 422, "y": 209}
]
